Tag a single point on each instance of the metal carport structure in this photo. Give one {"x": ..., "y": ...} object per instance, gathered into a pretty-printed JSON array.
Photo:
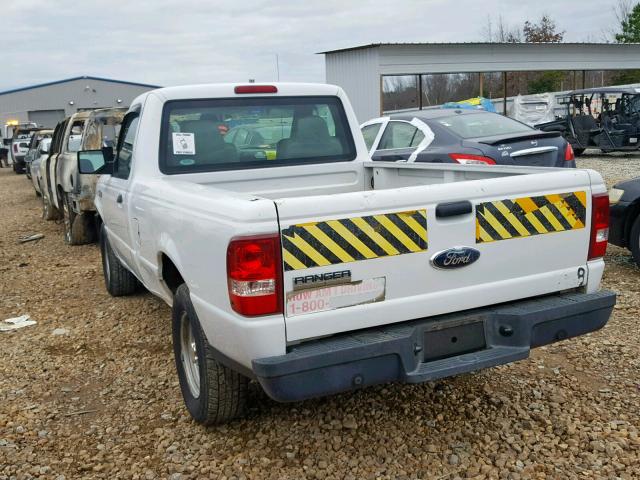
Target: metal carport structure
[{"x": 360, "y": 70}]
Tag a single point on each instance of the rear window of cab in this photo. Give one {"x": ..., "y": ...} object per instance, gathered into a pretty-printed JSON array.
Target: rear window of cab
[{"x": 257, "y": 132}]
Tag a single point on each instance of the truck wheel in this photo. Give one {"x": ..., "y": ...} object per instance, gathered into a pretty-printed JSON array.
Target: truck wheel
[
  {"x": 78, "y": 228},
  {"x": 49, "y": 212},
  {"x": 634, "y": 241},
  {"x": 118, "y": 280},
  {"x": 212, "y": 392}
]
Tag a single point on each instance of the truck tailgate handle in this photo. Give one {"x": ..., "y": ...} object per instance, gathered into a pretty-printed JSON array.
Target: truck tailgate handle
[{"x": 451, "y": 209}]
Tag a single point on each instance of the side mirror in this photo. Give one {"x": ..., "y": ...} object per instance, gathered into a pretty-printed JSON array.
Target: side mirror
[{"x": 95, "y": 161}]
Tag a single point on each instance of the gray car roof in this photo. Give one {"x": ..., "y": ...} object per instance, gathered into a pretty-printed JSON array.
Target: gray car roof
[{"x": 436, "y": 113}]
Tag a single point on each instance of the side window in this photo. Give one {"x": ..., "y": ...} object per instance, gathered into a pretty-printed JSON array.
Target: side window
[
  {"x": 370, "y": 132},
  {"x": 398, "y": 135},
  {"x": 75, "y": 136},
  {"x": 125, "y": 150}
]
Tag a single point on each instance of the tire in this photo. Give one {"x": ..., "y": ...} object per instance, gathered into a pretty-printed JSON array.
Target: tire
[
  {"x": 78, "y": 228},
  {"x": 49, "y": 212},
  {"x": 634, "y": 241},
  {"x": 578, "y": 151},
  {"x": 212, "y": 392},
  {"x": 117, "y": 279}
]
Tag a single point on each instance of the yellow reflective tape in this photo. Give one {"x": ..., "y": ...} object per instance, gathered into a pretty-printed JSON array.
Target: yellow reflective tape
[
  {"x": 482, "y": 234},
  {"x": 354, "y": 241},
  {"x": 396, "y": 232},
  {"x": 536, "y": 223},
  {"x": 554, "y": 198},
  {"x": 420, "y": 230},
  {"x": 497, "y": 226},
  {"x": 582, "y": 198},
  {"x": 567, "y": 213},
  {"x": 551, "y": 219},
  {"x": 526, "y": 204},
  {"x": 292, "y": 261},
  {"x": 326, "y": 241},
  {"x": 308, "y": 250},
  {"x": 513, "y": 220},
  {"x": 375, "y": 236}
]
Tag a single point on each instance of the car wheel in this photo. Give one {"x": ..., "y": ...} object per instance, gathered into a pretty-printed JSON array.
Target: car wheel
[
  {"x": 78, "y": 228},
  {"x": 117, "y": 279},
  {"x": 634, "y": 241},
  {"x": 49, "y": 212},
  {"x": 212, "y": 392}
]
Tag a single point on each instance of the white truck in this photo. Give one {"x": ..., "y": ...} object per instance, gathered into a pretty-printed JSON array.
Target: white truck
[{"x": 302, "y": 264}]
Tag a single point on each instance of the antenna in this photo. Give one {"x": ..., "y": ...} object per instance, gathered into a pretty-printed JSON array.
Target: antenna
[{"x": 277, "y": 67}]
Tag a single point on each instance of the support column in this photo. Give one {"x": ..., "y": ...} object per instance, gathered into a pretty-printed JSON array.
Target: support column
[
  {"x": 481, "y": 84},
  {"x": 419, "y": 80},
  {"x": 504, "y": 93}
]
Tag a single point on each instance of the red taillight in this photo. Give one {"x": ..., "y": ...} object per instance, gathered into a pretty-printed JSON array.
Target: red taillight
[
  {"x": 599, "y": 225},
  {"x": 256, "y": 89},
  {"x": 568, "y": 153},
  {"x": 254, "y": 272},
  {"x": 15, "y": 148},
  {"x": 467, "y": 159}
]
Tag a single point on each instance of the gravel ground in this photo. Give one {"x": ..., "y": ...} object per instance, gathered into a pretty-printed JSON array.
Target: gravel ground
[{"x": 91, "y": 391}]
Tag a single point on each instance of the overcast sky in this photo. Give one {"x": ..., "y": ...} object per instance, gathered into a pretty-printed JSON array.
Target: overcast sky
[{"x": 170, "y": 42}]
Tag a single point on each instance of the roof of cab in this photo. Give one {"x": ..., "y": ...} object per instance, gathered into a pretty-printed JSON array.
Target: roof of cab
[{"x": 226, "y": 90}]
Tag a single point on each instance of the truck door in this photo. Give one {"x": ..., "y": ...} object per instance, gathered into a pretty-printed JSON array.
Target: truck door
[{"x": 115, "y": 192}]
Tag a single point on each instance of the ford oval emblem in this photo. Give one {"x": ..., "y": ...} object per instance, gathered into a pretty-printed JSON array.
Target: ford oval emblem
[{"x": 455, "y": 257}]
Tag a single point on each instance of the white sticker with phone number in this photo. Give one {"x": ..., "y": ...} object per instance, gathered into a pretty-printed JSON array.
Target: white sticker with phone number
[
  {"x": 183, "y": 143},
  {"x": 314, "y": 300}
]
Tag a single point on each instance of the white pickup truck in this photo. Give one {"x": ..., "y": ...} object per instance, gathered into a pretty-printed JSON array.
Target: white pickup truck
[{"x": 296, "y": 261}]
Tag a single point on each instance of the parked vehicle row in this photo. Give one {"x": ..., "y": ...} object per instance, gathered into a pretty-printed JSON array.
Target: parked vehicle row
[
  {"x": 296, "y": 261},
  {"x": 53, "y": 167}
]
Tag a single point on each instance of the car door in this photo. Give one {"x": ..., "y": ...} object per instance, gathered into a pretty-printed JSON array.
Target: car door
[
  {"x": 398, "y": 141},
  {"x": 50, "y": 167},
  {"x": 115, "y": 192}
]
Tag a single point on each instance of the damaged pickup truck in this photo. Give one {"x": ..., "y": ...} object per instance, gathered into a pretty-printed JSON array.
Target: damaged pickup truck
[
  {"x": 314, "y": 270},
  {"x": 75, "y": 191}
]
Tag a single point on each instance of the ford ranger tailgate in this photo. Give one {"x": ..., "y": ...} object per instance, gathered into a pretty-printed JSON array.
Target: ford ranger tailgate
[{"x": 361, "y": 259}]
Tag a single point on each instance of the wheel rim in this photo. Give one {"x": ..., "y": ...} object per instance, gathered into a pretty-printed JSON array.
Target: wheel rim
[{"x": 189, "y": 355}]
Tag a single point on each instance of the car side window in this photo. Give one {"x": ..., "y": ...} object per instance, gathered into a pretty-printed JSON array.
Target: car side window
[
  {"x": 370, "y": 132},
  {"x": 399, "y": 135},
  {"x": 125, "y": 147}
]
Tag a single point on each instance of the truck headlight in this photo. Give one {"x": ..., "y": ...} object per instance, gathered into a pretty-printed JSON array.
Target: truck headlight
[{"x": 615, "y": 194}]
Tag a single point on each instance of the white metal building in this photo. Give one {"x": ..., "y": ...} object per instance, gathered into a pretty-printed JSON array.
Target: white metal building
[
  {"x": 360, "y": 70},
  {"x": 48, "y": 103}
]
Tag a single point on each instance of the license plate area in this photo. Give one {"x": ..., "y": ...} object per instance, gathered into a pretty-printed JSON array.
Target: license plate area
[{"x": 452, "y": 341}]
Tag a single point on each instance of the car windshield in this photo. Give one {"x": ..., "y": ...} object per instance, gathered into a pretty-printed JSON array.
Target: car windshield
[
  {"x": 482, "y": 125},
  {"x": 208, "y": 135}
]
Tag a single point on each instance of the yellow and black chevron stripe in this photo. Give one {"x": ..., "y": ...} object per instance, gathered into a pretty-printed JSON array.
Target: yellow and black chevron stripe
[
  {"x": 346, "y": 240},
  {"x": 527, "y": 216}
]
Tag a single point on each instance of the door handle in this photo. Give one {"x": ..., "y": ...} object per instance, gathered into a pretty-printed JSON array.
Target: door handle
[
  {"x": 452, "y": 209},
  {"x": 119, "y": 199}
]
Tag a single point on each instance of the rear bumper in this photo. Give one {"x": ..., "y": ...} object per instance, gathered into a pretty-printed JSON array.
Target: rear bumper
[{"x": 432, "y": 348}]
